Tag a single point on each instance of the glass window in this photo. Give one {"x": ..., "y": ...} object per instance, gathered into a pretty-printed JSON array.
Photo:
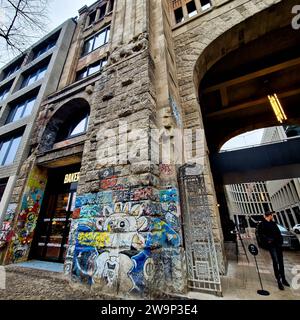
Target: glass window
[
  {"x": 178, "y": 15},
  {"x": 92, "y": 17},
  {"x": 100, "y": 40},
  {"x": 3, "y": 151},
  {"x": 80, "y": 128},
  {"x": 191, "y": 8},
  {"x": 45, "y": 46},
  {"x": 4, "y": 93},
  {"x": 34, "y": 76},
  {"x": 88, "y": 46},
  {"x": 96, "y": 41},
  {"x": 13, "y": 68},
  {"x": 12, "y": 150},
  {"x": 8, "y": 150},
  {"x": 205, "y": 4},
  {"x": 28, "y": 108},
  {"x": 102, "y": 11},
  {"x": 93, "y": 68},
  {"x": 81, "y": 74},
  {"x": 3, "y": 184},
  {"x": 21, "y": 110},
  {"x": 41, "y": 73}
]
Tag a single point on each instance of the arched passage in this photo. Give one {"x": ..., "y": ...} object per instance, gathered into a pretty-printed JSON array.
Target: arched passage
[{"x": 236, "y": 73}]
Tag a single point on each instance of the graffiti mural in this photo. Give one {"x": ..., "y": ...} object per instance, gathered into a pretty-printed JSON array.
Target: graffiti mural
[
  {"x": 118, "y": 232},
  {"x": 27, "y": 216},
  {"x": 6, "y": 231}
]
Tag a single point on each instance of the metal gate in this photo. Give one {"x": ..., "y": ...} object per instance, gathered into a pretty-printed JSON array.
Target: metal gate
[{"x": 202, "y": 264}]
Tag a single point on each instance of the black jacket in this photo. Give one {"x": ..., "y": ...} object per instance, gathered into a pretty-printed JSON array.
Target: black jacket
[{"x": 269, "y": 234}]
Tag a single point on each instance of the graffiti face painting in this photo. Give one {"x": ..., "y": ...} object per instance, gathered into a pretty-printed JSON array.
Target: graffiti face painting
[{"x": 116, "y": 249}]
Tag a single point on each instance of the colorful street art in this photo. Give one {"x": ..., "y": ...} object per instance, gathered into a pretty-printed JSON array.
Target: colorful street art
[
  {"x": 6, "y": 231},
  {"x": 27, "y": 217},
  {"x": 120, "y": 234}
]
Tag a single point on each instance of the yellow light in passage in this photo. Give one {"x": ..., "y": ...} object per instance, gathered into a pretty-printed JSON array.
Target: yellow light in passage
[{"x": 277, "y": 107}]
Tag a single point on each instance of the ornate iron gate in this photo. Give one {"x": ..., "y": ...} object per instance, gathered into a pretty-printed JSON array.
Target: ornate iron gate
[{"x": 202, "y": 264}]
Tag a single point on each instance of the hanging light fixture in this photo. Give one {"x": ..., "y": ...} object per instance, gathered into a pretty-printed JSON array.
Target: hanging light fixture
[{"x": 277, "y": 107}]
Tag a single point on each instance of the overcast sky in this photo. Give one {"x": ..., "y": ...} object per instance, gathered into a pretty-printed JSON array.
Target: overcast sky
[{"x": 61, "y": 10}]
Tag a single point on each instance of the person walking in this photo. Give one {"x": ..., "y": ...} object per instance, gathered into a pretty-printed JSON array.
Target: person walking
[{"x": 272, "y": 240}]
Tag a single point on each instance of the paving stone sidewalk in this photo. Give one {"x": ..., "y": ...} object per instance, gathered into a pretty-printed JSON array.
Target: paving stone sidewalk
[{"x": 240, "y": 283}]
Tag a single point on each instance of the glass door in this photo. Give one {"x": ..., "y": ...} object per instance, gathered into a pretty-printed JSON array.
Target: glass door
[{"x": 53, "y": 227}]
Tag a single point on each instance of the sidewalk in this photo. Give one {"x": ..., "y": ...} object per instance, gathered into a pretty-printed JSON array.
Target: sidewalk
[{"x": 240, "y": 283}]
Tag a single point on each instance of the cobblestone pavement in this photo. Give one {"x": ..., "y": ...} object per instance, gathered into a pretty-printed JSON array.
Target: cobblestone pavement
[{"x": 241, "y": 282}]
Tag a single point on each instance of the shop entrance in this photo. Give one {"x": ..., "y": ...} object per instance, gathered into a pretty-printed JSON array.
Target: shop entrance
[{"x": 51, "y": 237}]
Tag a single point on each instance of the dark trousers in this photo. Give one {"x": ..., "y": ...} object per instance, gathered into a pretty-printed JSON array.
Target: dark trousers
[{"x": 278, "y": 265}]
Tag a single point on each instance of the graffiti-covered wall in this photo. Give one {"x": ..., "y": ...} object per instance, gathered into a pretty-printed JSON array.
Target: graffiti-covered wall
[
  {"x": 127, "y": 240},
  {"x": 20, "y": 220}
]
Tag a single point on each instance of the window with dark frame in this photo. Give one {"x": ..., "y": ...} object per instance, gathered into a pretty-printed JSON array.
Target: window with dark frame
[
  {"x": 102, "y": 11},
  {"x": 10, "y": 70},
  {"x": 91, "y": 69},
  {"x": 92, "y": 17},
  {"x": 46, "y": 46},
  {"x": 97, "y": 41},
  {"x": 8, "y": 149},
  {"x": 75, "y": 126},
  {"x": 179, "y": 15},
  {"x": 191, "y": 8},
  {"x": 111, "y": 5},
  {"x": 205, "y": 4},
  {"x": 3, "y": 183},
  {"x": 21, "y": 110},
  {"x": 4, "y": 91},
  {"x": 79, "y": 128},
  {"x": 34, "y": 76}
]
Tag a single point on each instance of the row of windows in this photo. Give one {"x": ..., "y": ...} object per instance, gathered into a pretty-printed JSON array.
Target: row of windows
[
  {"x": 90, "y": 45},
  {"x": 100, "y": 12},
  {"x": 9, "y": 145},
  {"x": 43, "y": 48},
  {"x": 29, "y": 79},
  {"x": 191, "y": 8}
]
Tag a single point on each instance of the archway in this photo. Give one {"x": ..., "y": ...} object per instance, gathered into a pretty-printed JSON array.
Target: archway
[
  {"x": 238, "y": 72},
  {"x": 65, "y": 121}
]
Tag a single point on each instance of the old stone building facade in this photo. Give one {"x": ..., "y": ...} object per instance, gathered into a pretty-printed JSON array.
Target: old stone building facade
[{"x": 96, "y": 192}]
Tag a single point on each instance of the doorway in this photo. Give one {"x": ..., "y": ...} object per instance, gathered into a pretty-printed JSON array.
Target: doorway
[{"x": 52, "y": 232}]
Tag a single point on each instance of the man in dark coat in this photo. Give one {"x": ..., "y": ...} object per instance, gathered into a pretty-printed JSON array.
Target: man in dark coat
[{"x": 272, "y": 240}]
